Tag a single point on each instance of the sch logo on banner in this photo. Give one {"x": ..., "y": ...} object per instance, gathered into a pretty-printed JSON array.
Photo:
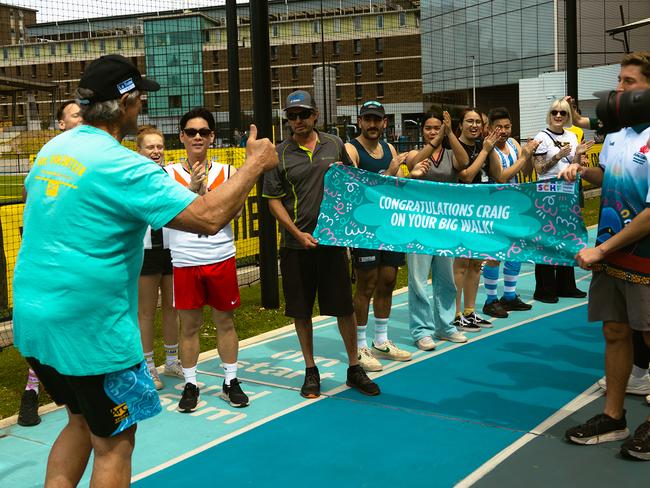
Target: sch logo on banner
[{"x": 554, "y": 187}]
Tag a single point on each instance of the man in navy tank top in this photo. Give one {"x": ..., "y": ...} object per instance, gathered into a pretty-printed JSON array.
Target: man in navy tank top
[{"x": 376, "y": 271}]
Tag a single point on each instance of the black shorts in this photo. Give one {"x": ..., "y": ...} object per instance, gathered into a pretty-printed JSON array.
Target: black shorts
[
  {"x": 110, "y": 403},
  {"x": 306, "y": 272},
  {"x": 371, "y": 258},
  {"x": 157, "y": 261}
]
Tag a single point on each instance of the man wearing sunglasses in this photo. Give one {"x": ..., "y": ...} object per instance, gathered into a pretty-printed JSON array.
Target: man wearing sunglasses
[
  {"x": 376, "y": 271},
  {"x": 295, "y": 191},
  {"x": 205, "y": 271}
]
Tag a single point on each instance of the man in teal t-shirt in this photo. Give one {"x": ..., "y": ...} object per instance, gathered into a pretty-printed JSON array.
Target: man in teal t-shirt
[{"x": 89, "y": 201}]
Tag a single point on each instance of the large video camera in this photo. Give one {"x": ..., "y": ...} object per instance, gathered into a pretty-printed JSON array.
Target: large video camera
[{"x": 623, "y": 109}]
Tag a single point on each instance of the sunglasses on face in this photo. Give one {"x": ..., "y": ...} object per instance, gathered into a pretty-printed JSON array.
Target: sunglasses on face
[
  {"x": 304, "y": 115},
  {"x": 203, "y": 132},
  {"x": 560, "y": 112}
]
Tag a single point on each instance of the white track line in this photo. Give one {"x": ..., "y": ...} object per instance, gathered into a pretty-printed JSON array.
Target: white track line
[
  {"x": 588, "y": 396},
  {"x": 336, "y": 390}
]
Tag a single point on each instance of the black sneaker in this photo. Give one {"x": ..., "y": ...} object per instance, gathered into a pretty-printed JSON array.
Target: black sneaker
[
  {"x": 465, "y": 325},
  {"x": 189, "y": 399},
  {"x": 28, "y": 413},
  {"x": 494, "y": 309},
  {"x": 545, "y": 298},
  {"x": 311, "y": 385},
  {"x": 515, "y": 305},
  {"x": 358, "y": 379},
  {"x": 638, "y": 446},
  {"x": 598, "y": 429},
  {"x": 233, "y": 394},
  {"x": 477, "y": 321}
]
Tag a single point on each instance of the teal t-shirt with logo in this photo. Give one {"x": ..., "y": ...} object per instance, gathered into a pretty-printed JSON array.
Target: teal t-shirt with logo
[{"x": 89, "y": 201}]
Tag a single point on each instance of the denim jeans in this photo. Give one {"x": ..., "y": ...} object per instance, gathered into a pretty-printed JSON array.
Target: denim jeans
[{"x": 429, "y": 316}]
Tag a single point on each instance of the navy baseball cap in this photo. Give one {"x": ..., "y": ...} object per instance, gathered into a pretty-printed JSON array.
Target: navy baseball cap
[
  {"x": 112, "y": 76},
  {"x": 300, "y": 99},
  {"x": 372, "y": 107}
]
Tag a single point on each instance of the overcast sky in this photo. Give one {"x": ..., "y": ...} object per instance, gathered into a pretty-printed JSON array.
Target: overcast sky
[{"x": 50, "y": 10}]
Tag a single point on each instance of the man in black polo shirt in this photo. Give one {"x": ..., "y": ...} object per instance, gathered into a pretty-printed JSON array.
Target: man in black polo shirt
[{"x": 295, "y": 191}]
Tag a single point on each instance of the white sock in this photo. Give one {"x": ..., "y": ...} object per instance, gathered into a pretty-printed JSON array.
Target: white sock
[
  {"x": 148, "y": 357},
  {"x": 230, "y": 369},
  {"x": 171, "y": 354},
  {"x": 381, "y": 331},
  {"x": 361, "y": 336},
  {"x": 190, "y": 375},
  {"x": 638, "y": 372}
]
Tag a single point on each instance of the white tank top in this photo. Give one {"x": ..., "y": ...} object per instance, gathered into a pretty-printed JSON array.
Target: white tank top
[{"x": 189, "y": 249}]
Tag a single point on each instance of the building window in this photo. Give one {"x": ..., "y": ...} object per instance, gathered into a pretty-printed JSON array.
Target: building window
[
  {"x": 53, "y": 49},
  {"x": 50, "y": 69},
  {"x": 68, "y": 48},
  {"x": 66, "y": 68},
  {"x": 215, "y": 58},
  {"x": 102, "y": 45},
  {"x": 206, "y": 36},
  {"x": 82, "y": 67},
  {"x": 315, "y": 27},
  {"x": 379, "y": 65},
  {"x": 276, "y": 96},
  {"x": 85, "y": 46},
  {"x": 275, "y": 74},
  {"x": 315, "y": 49},
  {"x": 37, "y": 51},
  {"x": 337, "y": 68},
  {"x": 379, "y": 45},
  {"x": 380, "y": 90},
  {"x": 217, "y": 99},
  {"x": 357, "y": 46},
  {"x": 136, "y": 43},
  {"x": 175, "y": 101},
  {"x": 275, "y": 31},
  {"x": 380, "y": 22},
  {"x": 402, "y": 19},
  {"x": 295, "y": 72},
  {"x": 216, "y": 80},
  {"x": 357, "y": 69},
  {"x": 358, "y": 92},
  {"x": 5, "y": 53},
  {"x": 68, "y": 88},
  {"x": 294, "y": 50},
  {"x": 19, "y": 71},
  {"x": 337, "y": 24},
  {"x": 21, "y": 52},
  {"x": 356, "y": 23},
  {"x": 295, "y": 29},
  {"x": 33, "y": 71},
  {"x": 274, "y": 52},
  {"x": 119, "y": 43},
  {"x": 338, "y": 93},
  {"x": 134, "y": 60},
  {"x": 336, "y": 48}
]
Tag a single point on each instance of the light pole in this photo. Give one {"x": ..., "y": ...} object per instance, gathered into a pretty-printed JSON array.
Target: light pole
[{"x": 473, "y": 80}]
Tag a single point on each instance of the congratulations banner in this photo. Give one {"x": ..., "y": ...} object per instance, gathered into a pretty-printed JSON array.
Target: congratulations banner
[{"x": 536, "y": 222}]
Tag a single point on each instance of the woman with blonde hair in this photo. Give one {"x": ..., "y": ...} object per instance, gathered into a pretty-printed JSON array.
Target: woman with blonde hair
[
  {"x": 558, "y": 148},
  {"x": 156, "y": 275}
]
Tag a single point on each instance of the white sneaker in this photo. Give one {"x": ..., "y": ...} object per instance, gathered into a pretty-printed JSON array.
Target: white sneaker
[
  {"x": 174, "y": 370},
  {"x": 367, "y": 361},
  {"x": 156, "y": 379},
  {"x": 388, "y": 350},
  {"x": 635, "y": 386},
  {"x": 453, "y": 337},
  {"x": 426, "y": 343}
]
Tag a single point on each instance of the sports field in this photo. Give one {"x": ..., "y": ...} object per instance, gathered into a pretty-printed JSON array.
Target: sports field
[{"x": 489, "y": 413}]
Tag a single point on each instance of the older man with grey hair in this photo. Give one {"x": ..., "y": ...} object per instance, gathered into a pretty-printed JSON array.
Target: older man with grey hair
[{"x": 75, "y": 284}]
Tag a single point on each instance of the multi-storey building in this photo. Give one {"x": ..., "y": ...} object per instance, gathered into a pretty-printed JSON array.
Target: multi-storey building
[{"x": 373, "y": 46}]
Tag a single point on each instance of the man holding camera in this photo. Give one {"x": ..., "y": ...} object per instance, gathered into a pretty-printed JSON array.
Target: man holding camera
[{"x": 619, "y": 294}]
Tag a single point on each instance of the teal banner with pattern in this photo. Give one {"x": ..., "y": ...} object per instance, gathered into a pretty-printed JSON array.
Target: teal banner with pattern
[{"x": 537, "y": 222}]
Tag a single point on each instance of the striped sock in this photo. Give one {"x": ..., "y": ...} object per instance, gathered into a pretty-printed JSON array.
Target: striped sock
[
  {"x": 381, "y": 331},
  {"x": 510, "y": 275},
  {"x": 148, "y": 357},
  {"x": 171, "y": 354},
  {"x": 32, "y": 381},
  {"x": 490, "y": 279},
  {"x": 361, "y": 336},
  {"x": 230, "y": 370}
]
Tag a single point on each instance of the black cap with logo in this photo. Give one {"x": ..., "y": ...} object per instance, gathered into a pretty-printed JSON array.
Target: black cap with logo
[
  {"x": 372, "y": 107},
  {"x": 112, "y": 76},
  {"x": 300, "y": 99}
]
